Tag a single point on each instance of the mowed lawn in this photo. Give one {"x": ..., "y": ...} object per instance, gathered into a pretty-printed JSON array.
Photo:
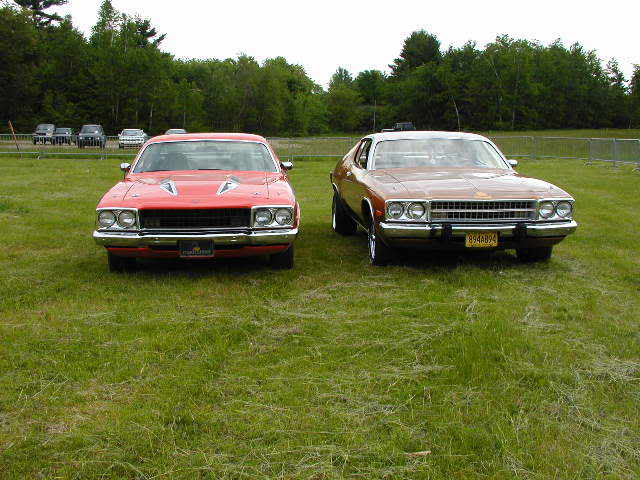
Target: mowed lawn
[{"x": 436, "y": 367}]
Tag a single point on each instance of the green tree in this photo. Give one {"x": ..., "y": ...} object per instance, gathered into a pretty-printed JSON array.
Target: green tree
[
  {"x": 419, "y": 48},
  {"x": 37, "y": 10},
  {"x": 634, "y": 97},
  {"x": 19, "y": 76},
  {"x": 341, "y": 78},
  {"x": 342, "y": 107}
]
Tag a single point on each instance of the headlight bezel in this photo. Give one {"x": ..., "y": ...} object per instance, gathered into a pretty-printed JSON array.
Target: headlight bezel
[
  {"x": 554, "y": 215},
  {"x": 406, "y": 216},
  {"x": 273, "y": 222},
  {"x": 116, "y": 212}
]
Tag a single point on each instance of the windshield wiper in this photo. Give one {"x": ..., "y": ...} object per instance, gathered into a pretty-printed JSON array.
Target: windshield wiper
[
  {"x": 159, "y": 170},
  {"x": 208, "y": 169}
]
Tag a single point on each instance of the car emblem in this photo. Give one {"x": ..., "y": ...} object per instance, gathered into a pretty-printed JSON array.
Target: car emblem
[
  {"x": 228, "y": 185},
  {"x": 482, "y": 195},
  {"x": 169, "y": 186}
]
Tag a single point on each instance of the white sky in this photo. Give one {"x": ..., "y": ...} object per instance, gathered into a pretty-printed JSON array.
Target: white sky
[{"x": 361, "y": 35}]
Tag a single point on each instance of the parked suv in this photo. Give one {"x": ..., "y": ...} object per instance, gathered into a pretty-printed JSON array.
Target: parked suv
[
  {"x": 44, "y": 133},
  {"x": 64, "y": 136},
  {"x": 92, "y": 136},
  {"x": 401, "y": 127}
]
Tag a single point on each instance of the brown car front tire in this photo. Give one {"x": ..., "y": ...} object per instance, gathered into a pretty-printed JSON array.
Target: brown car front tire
[
  {"x": 341, "y": 221},
  {"x": 379, "y": 253}
]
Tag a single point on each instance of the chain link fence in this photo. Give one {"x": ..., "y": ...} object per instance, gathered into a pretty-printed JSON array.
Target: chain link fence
[{"x": 615, "y": 150}]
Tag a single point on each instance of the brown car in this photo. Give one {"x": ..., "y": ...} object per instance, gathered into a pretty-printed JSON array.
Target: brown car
[{"x": 445, "y": 191}]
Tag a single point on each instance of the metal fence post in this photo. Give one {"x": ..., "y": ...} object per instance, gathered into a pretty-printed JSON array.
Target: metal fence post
[
  {"x": 534, "y": 148},
  {"x": 615, "y": 153},
  {"x": 291, "y": 156}
]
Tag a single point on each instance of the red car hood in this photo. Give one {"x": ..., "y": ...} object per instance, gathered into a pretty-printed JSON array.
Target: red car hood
[{"x": 200, "y": 189}]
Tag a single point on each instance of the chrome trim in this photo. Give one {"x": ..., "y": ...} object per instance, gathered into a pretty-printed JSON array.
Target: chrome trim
[
  {"x": 273, "y": 223},
  {"x": 555, "y": 201},
  {"x": 115, "y": 227},
  {"x": 405, "y": 203},
  {"x": 555, "y": 229},
  {"x": 532, "y": 213},
  {"x": 135, "y": 240}
]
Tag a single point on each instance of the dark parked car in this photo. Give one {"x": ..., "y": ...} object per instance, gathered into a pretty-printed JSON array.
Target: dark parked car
[
  {"x": 92, "y": 136},
  {"x": 175, "y": 131},
  {"x": 44, "y": 133},
  {"x": 64, "y": 136},
  {"x": 401, "y": 127}
]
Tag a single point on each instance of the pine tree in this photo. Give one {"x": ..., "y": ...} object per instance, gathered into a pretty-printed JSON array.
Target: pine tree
[{"x": 40, "y": 18}]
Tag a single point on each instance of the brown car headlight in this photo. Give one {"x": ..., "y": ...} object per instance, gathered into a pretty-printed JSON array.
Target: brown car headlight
[
  {"x": 395, "y": 209},
  {"x": 546, "y": 209},
  {"x": 564, "y": 209},
  {"x": 415, "y": 211}
]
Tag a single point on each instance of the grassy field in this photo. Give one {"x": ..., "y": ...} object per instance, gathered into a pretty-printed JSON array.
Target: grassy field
[{"x": 437, "y": 367}]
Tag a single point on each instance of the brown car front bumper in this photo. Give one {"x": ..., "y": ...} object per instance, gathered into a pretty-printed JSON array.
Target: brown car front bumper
[{"x": 510, "y": 235}]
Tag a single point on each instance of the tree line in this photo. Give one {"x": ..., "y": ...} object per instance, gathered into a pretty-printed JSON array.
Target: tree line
[{"x": 119, "y": 76}]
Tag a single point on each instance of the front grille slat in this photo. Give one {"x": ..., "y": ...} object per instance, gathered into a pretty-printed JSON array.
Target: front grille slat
[
  {"x": 482, "y": 210},
  {"x": 195, "y": 218}
]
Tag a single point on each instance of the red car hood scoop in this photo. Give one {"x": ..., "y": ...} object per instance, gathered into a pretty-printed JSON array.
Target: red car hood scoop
[{"x": 199, "y": 185}]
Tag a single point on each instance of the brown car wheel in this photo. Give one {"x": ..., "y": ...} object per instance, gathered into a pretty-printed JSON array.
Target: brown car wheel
[
  {"x": 537, "y": 254},
  {"x": 379, "y": 253},
  {"x": 340, "y": 220}
]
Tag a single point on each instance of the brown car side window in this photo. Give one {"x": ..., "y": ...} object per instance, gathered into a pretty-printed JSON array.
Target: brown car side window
[{"x": 363, "y": 153}]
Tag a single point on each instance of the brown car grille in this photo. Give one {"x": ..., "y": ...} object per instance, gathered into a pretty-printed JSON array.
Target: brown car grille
[
  {"x": 482, "y": 211},
  {"x": 195, "y": 218}
]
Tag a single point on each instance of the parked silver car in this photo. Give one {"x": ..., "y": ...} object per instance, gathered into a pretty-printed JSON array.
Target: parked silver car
[{"x": 132, "y": 137}]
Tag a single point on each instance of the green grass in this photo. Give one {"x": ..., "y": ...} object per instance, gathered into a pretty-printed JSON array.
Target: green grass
[{"x": 332, "y": 370}]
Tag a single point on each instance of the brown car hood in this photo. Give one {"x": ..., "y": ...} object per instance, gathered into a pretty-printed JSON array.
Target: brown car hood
[{"x": 457, "y": 183}]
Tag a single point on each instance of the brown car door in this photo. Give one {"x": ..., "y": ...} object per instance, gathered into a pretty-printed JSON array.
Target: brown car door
[{"x": 355, "y": 177}]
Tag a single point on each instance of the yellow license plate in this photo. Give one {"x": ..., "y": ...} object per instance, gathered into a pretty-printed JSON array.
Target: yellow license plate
[{"x": 481, "y": 240}]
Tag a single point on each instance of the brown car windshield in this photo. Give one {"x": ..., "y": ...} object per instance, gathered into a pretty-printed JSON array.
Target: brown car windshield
[
  {"x": 436, "y": 152},
  {"x": 205, "y": 155}
]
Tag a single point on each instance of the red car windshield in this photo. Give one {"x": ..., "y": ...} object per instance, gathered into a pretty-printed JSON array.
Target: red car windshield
[{"x": 205, "y": 155}]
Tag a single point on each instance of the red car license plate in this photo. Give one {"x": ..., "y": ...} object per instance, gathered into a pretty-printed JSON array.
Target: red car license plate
[{"x": 196, "y": 248}]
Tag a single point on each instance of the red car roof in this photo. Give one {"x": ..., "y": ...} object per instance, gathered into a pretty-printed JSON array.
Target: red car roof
[{"x": 209, "y": 136}]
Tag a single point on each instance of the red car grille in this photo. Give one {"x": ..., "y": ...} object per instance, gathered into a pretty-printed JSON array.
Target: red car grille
[{"x": 195, "y": 218}]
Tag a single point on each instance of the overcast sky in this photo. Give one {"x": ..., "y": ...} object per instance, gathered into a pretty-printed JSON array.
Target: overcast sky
[{"x": 361, "y": 35}]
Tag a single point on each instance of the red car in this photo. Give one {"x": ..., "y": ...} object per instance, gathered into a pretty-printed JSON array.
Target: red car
[{"x": 206, "y": 195}]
